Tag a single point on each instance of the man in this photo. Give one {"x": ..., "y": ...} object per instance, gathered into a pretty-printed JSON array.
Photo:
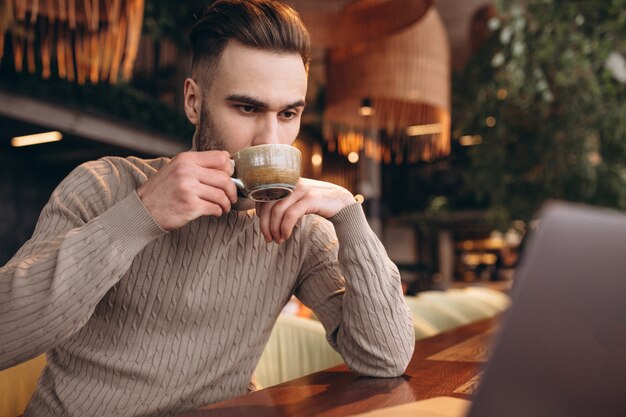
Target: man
[{"x": 153, "y": 289}]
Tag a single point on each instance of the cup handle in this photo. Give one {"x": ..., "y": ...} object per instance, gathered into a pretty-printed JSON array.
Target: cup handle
[{"x": 241, "y": 190}]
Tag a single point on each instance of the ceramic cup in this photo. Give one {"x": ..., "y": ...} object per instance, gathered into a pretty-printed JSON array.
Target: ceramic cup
[{"x": 267, "y": 172}]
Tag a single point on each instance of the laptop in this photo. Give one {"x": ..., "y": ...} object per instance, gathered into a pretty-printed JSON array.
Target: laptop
[{"x": 561, "y": 348}]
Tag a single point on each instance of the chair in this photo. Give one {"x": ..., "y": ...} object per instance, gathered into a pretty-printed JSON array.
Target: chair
[
  {"x": 297, "y": 346},
  {"x": 439, "y": 316},
  {"x": 17, "y": 385},
  {"x": 497, "y": 299},
  {"x": 423, "y": 328},
  {"x": 470, "y": 308},
  {"x": 474, "y": 300}
]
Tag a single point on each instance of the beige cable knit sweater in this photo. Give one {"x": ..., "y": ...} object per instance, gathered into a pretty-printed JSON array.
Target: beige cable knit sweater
[{"x": 139, "y": 322}]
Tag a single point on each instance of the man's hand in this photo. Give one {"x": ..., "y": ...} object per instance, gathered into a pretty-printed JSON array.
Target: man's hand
[
  {"x": 191, "y": 185},
  {"x": 310, "y": 197}
]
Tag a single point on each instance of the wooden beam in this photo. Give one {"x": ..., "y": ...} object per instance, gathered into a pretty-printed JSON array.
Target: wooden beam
[{"x": 88, "y": 126}]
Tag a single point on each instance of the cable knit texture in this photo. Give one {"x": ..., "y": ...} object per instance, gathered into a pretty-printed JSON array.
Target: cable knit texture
[{"x": 137, "y": 321}]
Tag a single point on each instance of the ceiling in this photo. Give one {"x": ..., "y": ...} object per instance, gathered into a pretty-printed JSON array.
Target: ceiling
[{"x": 456, "y": 15}]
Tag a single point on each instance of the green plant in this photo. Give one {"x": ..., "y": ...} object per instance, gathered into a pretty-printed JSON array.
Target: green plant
[{"x": 550, "y": 111}]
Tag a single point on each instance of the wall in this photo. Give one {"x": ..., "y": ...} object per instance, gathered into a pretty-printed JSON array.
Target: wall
[{"x": 24, "y": 189}]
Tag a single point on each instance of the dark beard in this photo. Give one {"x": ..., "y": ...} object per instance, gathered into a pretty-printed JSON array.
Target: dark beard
[{"x": 204, "y": 138}]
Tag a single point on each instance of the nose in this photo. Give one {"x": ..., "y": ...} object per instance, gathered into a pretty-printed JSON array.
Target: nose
[{"x": 267, "y": 129}]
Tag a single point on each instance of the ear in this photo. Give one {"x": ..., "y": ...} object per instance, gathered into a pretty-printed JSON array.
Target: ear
[{"x": 193, "y": 101}]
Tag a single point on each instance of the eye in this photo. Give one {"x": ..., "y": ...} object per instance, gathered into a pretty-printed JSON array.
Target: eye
[
  {"x": 247, "y": 109},
  {"x": 289, "y": 114}
]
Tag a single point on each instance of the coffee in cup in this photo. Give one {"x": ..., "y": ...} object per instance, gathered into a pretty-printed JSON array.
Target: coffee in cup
[{"x": 267, "y": 172}]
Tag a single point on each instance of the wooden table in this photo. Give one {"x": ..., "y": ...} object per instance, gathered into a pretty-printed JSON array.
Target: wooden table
[{"x": 445, "y": 364}]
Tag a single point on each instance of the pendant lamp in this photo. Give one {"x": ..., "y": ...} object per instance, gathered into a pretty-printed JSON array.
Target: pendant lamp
[
  {"x": 333, "y": 23},
  {"x": 390, "y": 98},
  {"x": 95, "y": 40}
]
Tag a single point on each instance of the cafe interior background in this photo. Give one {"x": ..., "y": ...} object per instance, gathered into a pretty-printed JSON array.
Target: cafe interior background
[{"x": 453, "y": 119}]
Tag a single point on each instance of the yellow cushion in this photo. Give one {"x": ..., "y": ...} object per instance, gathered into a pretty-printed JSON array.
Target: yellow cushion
[
  {"x": 439, "y": 316},
  {"x": 297, "y": 347},
  {"x": 423, "y": 328},
  {"x": 499, "y": 300},
  {"x": 472, "y": 309},
  {"x": 17, "y": 385}
]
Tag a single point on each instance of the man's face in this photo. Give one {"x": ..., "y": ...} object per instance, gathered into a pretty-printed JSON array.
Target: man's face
[{"x": 255, "y": 97}]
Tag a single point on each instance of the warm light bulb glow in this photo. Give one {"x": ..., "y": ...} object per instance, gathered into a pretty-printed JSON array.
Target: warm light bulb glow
[
  {"x": 490, "y": 121},
  {"x": 37, "y": 139},
  {"x": 470, "y": 140},
  {"x": 468, "y": 245},
  {"x": 353, "y": 157},
  {"x": 472, "y": 259},
  {"x": 419, "y": 130},
  {"x": 366, "y": 111},
  {"x": 316, "y": 160},
  {"x": 366, "y": 108},
  {"x": 489, "y": 259}
]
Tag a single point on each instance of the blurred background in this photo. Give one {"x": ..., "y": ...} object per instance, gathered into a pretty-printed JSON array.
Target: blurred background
[{"x": 455, "y": 120}]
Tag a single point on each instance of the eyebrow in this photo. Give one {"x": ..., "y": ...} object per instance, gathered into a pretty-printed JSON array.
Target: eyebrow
[{"x": 261, "y": 105}]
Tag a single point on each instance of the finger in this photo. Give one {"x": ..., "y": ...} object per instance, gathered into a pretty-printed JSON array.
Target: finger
[
  {"x": 278, "y": 213},
  {"x": 264, "y": 212},
  {"x": 198, "y": 207},
  {"x": 291, "y": 217},
  {"x": 212, "y": 159},
  {"x": 214, "y": 196},
  {"x": 218, "y": 179},
  {"x": 207, "y": 208}
]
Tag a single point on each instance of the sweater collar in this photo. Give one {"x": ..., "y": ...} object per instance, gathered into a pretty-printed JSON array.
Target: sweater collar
[{"x": 243, "y": 204}]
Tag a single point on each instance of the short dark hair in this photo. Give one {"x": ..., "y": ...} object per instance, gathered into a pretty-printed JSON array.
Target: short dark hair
[{"x": 262, "y": 24}]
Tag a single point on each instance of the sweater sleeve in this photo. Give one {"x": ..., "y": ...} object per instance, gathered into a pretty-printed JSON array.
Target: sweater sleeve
[
  {"x": 85, "y": 240},
  {"x": 354, "y": 288}
]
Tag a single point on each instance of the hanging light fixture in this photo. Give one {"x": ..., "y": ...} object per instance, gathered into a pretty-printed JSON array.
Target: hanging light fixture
[
  {"x": 95, "y": 40},
  {"x": 366, "y": 108},
  {"x": 406, "y": 80},
  {"x": 334, "y": 23}
]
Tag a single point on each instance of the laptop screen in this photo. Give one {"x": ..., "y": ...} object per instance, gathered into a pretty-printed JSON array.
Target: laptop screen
[{"x": 561, "y": 350}]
